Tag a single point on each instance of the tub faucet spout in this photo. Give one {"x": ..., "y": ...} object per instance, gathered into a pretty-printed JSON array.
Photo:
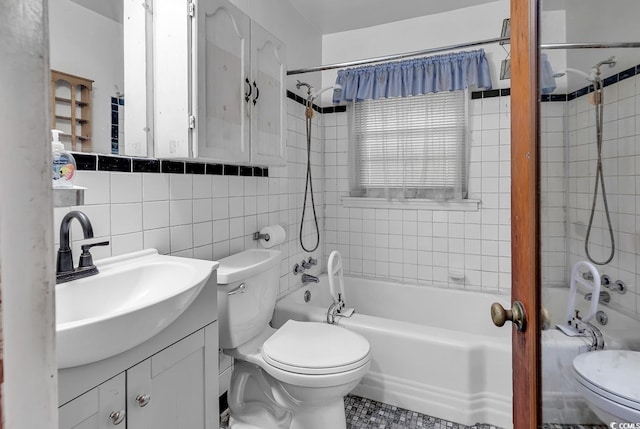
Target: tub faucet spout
[{"x": 308, "y": 278}]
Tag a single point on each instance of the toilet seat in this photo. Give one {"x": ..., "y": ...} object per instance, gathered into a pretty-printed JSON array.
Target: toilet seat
[
  {"x": 611, "y": 374},
  {"x": 315, "y": 349}
]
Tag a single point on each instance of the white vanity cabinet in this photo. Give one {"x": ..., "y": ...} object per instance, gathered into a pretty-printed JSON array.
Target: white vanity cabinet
[
  {"x": 100, "y": 408},
  {"x": 234, "y": 72},
  {"x": 169, "y": 381},
  {"x": 177, "y": 387}
]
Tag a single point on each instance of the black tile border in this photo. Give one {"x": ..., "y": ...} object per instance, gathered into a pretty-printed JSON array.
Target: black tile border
[
  {"x": 146, "y": 165},
  {"x": 85, "y": 161},
  {"x": 99, "y": 162},
  {"x": 215, "y": 169},
  {"x": 616, "y": 78},
  {"x": 330, "y": 109},
  {"x": 175, "y": 167},
  {"x": 194, "y": 168},
  {"x": 114, "y": 163},
  {"x": 231, "y": 170}
]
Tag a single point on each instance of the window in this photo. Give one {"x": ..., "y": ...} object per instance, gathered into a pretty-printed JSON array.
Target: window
[{"x": 411, "y": 147}]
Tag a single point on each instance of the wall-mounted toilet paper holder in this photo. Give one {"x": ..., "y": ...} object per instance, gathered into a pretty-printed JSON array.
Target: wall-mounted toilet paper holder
[{"x": 258, "y": 236}]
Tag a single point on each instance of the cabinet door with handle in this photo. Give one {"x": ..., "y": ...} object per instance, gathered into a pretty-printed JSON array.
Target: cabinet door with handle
[
  {"x": 268, "y": 103},
  {"x": 225, "y": 89},
  {"x": 102, "y": 407},
  {"x": 176, "y": 388}
]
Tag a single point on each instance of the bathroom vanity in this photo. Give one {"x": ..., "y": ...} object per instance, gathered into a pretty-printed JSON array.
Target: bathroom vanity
[{"x": 169, "y": 381}]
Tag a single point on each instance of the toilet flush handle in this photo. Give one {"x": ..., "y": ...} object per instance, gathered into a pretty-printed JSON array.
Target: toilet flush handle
[{"x": 240, "y": 289}]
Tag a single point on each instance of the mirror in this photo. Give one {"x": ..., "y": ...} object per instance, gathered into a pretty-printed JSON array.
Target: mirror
[
  {"x": 589, "y": 174},
  {"x": 87, "y": 39}
]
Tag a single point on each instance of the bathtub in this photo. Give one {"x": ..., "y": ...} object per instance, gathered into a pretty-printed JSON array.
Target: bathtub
[{"x": 434, "y": 350}]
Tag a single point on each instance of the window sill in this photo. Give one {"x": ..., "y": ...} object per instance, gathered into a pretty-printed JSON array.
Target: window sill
[{"x": 416, "y": 204}]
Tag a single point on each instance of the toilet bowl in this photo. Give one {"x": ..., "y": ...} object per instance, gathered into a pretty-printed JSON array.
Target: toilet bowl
[
  {"x": 292, "y": 377},
  {"x": 609, "y": 380}
]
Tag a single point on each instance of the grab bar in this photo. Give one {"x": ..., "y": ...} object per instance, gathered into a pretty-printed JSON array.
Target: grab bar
[{"x": 240, "y": 289}]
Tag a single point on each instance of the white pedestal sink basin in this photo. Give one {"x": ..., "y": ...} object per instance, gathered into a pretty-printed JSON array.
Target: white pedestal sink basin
[{"x": 133, "y": 297}]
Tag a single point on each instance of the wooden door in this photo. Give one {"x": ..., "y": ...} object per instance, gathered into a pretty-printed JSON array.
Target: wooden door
[{"x": 525, "y": 225}]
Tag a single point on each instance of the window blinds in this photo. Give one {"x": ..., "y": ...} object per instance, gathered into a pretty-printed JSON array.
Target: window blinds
[{"x": 411, "y": 147}]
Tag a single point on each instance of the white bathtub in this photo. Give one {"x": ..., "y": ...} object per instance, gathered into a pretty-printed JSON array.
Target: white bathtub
[{"x": 434, "y": 350}]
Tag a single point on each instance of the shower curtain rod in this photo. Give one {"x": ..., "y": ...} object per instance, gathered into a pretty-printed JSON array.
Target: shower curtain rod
[
  {"x": 459, "y": 46},
  {"x": 397, "y": 56},
  {"x": 590, "y": 45}
]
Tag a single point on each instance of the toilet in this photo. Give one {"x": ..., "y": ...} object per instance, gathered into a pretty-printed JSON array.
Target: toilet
[
  {"x": 609, "y": 380},
  {"x": 292, "y": 377}
]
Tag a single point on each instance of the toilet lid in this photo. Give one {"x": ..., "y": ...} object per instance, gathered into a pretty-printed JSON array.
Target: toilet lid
[
  {"x": 613, "y": 373},
  {"x": 315, "y": 348}
]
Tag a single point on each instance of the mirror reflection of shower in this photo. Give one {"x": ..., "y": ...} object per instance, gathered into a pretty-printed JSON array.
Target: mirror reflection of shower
[
  {"x": 593, "y": 76},
  {"x": 308, "y": 186}
]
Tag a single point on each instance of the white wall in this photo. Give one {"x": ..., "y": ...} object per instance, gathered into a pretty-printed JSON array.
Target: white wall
[
  {"x": 89, "y": 45},
  {"x": 621, "y": 152},
  {"x": 425, "y": 246},
  {"x": 433, "y": 31},
  {"x": 204, "y": 216},
  {"x": 29, "y": 388}
]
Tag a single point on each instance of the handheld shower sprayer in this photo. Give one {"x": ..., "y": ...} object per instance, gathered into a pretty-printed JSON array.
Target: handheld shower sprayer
[{"x": 336, "y": 87}]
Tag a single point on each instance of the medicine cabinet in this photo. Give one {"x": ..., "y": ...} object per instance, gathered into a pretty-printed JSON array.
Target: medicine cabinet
[{"x": 219, "y": 86}]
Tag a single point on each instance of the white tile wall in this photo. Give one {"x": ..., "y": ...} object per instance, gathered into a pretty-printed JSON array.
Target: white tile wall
[
  {"x": 425, "y": 246},
  {"x": 204, "y": 216},
  {"x": 621, "y": 165},
  {"x": 554, "y": 187}
]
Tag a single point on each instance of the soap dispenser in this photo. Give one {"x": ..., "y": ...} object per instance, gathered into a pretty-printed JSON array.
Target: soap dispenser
[{"x": 64, "y": 166}]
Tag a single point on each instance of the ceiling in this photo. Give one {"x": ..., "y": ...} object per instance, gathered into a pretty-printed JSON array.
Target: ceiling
[{"x": 333, "y": 16}]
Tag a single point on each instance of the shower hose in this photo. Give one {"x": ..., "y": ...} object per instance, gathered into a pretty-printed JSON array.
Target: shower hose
[
  {"x": 308, "y": 186},
  {"x": 599, "y": 109}
]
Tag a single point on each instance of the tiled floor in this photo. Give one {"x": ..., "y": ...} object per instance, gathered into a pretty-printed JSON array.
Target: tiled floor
[
  {"x": 563, "y": 426},
  {"x": 365, "y": 413}
]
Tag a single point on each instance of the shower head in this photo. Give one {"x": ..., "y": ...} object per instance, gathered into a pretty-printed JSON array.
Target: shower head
[
  {"x": 594, "y": 73},
  {"x": 611, "y": 62},
  {"x": 301, "y": 84},
  {"x": 336, "y": 87}
]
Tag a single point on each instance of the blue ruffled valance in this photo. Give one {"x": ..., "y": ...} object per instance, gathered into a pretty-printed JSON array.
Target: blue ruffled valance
[{"x": 448, "y": 72}]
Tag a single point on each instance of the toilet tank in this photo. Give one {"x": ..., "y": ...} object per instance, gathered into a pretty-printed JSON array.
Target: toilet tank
[{"x": 248, "y": 284}]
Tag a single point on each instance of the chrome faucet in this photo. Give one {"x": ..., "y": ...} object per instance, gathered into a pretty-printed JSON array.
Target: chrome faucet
[
  {"x": 64, "y": 267},
  {"x": 308, "y": 278},
  {"x": 604, "y": 297}
]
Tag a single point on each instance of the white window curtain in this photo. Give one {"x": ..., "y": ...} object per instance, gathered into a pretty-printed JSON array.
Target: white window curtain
[{"x": 410, "y": 147}]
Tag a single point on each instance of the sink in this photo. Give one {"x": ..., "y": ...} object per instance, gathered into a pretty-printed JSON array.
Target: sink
[{"x": 134, "y": 297}]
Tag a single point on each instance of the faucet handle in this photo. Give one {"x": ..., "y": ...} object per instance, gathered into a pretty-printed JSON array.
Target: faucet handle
[
  {"x": 86, "y": 260},
  {"x": 310, "y": 263}
]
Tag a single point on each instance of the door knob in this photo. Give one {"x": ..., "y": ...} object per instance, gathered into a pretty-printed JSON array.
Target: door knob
[{"x": 516, "y": 315}]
